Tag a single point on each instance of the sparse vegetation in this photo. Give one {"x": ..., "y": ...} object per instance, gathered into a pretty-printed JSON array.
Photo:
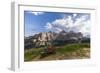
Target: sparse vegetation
[{"x": 69, "y": 51}]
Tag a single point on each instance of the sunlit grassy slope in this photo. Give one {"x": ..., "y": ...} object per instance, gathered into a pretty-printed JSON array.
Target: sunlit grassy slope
[{"x": 68, "y": 51}]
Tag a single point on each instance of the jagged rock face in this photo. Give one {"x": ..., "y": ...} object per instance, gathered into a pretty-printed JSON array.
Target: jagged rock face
[
  {"x": 68, "y": 35},
  {"x": 45, "y": 38}
]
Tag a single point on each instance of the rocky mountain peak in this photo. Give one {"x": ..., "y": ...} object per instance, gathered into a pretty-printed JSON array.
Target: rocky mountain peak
[{"x": 45, "y": 38}]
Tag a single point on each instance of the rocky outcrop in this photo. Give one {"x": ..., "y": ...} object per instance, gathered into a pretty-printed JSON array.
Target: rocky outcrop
[
  {"x": 43, "y": 39},
  {"x": 69, "y": 35},
  {"x": 47, "y": 38}
]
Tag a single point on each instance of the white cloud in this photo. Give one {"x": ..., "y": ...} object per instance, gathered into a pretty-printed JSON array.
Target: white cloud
[
  {"x": 36, "y": 13},
  {"x": 86, "y": 28},
  {"x": 48, "y": 26},
  {"x": 80, "y": 24},
  {"x": 74, "y": 15}
]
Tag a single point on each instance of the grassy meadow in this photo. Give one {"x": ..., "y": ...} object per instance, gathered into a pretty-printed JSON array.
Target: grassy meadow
[{"x": 68, "y": 51}]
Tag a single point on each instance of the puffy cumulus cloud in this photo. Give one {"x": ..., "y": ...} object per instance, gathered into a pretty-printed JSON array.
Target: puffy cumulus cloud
[
  {"x": 55, "y": 28},
  {"x": 79, "y": 24},
  {"x": 36, "y": 13},
  {"x": 48, "y": 26},
  {"x": 60, "y": 24},
  {"x": 85, "y": 29}
]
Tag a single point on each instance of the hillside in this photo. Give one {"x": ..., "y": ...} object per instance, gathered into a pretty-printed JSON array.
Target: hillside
[{"x": 71, "y": 51}]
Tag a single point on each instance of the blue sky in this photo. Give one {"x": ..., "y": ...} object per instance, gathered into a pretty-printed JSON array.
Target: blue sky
[{"x": 36, "y": 22}]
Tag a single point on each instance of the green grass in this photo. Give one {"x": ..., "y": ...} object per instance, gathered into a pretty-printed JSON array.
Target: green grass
[
  {"x": 30, "y": 54},
  {"x": 73, "y": 47},
  {"x": 69, "y": 51}
]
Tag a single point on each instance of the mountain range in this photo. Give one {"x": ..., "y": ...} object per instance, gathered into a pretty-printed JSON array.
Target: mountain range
[{"x": 49, "y": 38}]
